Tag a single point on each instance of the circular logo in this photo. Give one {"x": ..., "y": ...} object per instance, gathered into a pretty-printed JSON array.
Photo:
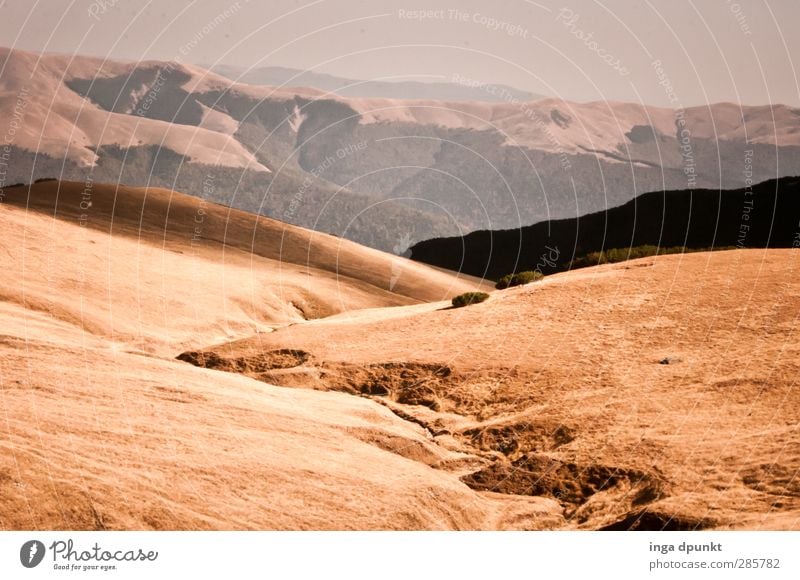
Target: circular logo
[{"x": 31, "y": 553}]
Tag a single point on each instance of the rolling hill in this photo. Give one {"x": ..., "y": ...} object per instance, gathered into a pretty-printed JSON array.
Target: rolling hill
[
  {"x": 167, "y": 363},
  {"x": 163, "y": 269},
  {"x": 656, "y": 394}
]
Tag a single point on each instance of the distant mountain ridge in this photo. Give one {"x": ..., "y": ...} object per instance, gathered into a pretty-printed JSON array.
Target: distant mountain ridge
[
  {"x": 764, "y": 216},
  {"x": 457, "y": 88},
  {"x": 383, "y": 172}
]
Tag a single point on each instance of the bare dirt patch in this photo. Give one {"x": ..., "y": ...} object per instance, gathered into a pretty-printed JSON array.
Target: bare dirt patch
[
  {"x": 647, "y": 521},
  {"x": 406, "y": 383},
  {"x": 567, "y": 482},
  {"x": 267, "y": 361},
  {"x": 520, "y": 437},
  {"x": 486, "y": 393}
]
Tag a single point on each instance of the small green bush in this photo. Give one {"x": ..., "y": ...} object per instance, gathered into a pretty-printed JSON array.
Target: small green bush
[
  {"x": 518, "y": 279},
  {"x": 468, "y": 298},
  {"x": 615, "y": 255}
]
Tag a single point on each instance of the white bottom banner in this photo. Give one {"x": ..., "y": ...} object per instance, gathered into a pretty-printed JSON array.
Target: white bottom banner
[{"x": 400, "y": 555}]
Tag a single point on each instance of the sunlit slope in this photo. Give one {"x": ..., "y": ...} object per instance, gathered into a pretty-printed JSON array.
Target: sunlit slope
[
  {"x": 160, "y": 269},
  {"x": 663, "y": 389},
  {"x": 94, "y": 438}
]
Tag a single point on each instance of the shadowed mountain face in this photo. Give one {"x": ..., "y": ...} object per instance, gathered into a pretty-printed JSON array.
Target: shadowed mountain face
[
  {"x": 764, "y": 216},
  {"x": 384, "y": 172}
]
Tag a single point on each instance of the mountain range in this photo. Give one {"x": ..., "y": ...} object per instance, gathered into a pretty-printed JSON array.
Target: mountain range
[
  {"x": 458, "y": 88},
  {"x": 384, "y": 172}
]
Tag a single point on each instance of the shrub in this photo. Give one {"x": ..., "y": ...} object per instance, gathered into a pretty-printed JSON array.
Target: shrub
[
  {"x": 518, "y": 279},
  {"x": 469, "y": 298},
  {"x": 615, "y": 255}
]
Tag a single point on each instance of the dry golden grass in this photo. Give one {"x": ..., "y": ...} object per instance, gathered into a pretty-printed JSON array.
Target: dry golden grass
[
  {"x": 103, "y": 429},
  {"x": 570, "y": 370},
  {"x": 546, "y": 406},
  {"x": 98, "y": 439},
  {"x": 164, "y": 271}
]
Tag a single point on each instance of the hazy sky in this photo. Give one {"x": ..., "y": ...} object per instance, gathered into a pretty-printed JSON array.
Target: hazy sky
[{"x": 710, "y": 50}]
